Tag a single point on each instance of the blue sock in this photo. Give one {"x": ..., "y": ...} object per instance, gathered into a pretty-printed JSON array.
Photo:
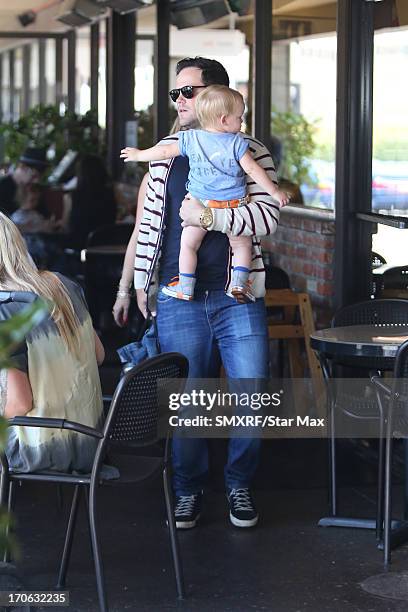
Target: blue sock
[
  {"x": 240, "y": 269},
  {"x": 189, "y": 275}
]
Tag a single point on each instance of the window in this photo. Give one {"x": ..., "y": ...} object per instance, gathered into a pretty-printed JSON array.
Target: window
[
  {"x": 50, "y": 71},
  {"x": 34, "y": 74},
  {"x": 5, "y": 86},
  {"x": 390, "y": 141},
  {"x": 102, "y": 75},
  {"x": 83, "y": 70}
]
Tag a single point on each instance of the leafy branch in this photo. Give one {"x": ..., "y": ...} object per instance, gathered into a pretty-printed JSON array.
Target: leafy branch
[
  {"x": 44, "y": 127},
  {"x": 297, "y": 135}
]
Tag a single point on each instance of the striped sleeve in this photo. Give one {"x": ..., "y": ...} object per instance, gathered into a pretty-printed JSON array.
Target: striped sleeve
[
  {"x": 142, "y": 246},
  {"x": 260, "y": 217}
]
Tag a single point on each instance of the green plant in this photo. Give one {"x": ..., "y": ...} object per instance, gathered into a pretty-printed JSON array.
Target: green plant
[
  {"x": 43, "y": 126},
  {"x": 14, "y": 330},
  {"x": 12, "y": 333},
  {"x": 298, "y": 143}
]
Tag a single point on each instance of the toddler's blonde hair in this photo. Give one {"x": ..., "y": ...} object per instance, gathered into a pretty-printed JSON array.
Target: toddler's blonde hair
[{"x": 215, "y": 101}]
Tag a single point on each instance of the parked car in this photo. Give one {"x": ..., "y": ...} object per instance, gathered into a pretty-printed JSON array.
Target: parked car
[
  {"x": 389, "y": 186},
  {"x": 390, "y": 192}
]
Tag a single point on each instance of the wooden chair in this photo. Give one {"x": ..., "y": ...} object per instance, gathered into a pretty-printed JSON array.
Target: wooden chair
[{"x": 295, "y": 329}]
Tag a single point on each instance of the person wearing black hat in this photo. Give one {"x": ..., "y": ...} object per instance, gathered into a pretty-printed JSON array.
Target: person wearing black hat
[{"x": 28, "y": 170}]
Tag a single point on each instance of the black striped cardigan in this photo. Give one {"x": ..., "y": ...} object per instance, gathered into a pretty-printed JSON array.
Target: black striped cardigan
[{"x": 259, "y": 217}]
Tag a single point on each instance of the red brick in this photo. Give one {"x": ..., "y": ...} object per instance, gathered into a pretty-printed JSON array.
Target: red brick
[
  {"x": 288, "y": 249},
  {"x": 325, "y": 288},
  {"x": 295, "y": 265},
  {"x": 324, "y": 272},
  {"x": 311, "y": 225},
  {"x": 322, "y": 256},
  {"x": 328, "y": 228},
  {"x": 301, "y": 251},
  {"x": 289, "y": 221},
  {"x": 308, "y": 269},
  {"x": 317, "y": 240}
]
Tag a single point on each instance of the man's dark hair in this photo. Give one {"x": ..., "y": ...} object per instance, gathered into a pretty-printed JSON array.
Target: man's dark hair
[{"x": 212, "y": 72}]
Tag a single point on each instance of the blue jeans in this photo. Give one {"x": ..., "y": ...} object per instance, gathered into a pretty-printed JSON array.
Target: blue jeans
[{"x": 207, "y": 330}]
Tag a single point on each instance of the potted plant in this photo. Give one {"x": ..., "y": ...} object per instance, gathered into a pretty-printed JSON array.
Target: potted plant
[{"x": 43, "y": 126}]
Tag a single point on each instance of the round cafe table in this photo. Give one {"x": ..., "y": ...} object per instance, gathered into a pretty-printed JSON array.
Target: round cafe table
[
  {"x": 110, "y": 250},
  {"x": 360, "y": 344},
  {"x": 360, "y": 340}
]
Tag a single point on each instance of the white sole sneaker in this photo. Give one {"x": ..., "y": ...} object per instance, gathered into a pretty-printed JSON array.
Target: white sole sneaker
[
  {"x": 243, "y": 523},
  {"x": 187, "y": 524},
  {"x": 177, "y": 294}
]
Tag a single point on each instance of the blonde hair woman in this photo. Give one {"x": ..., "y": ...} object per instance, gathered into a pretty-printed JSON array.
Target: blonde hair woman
[{"x": 55, "y": 371}]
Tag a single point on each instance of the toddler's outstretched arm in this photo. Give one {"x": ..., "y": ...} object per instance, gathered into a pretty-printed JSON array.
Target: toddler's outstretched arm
[
  {"x": 155, "y": 153},
  {"x": 258, "y": 174}
]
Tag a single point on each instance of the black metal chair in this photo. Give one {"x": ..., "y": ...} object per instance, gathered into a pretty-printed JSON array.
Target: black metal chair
[
  {"x": 276, "y": 278},
  {"x": 396, "y": 399},
  {"x": 377, "y": 260},
  {"x": 131, "y": 430},
  {"x": 393, "y": 283},
  {"x": 342, "y": 399}
]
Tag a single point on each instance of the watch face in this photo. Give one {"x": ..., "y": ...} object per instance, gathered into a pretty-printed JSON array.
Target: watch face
[{"x": 207, "y": 218}]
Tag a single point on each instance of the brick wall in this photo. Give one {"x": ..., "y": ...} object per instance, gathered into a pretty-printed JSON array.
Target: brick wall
[{"x": 303, "y": 246}]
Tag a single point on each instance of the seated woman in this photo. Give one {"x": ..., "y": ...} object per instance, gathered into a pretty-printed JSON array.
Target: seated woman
[
  {"x": 27, "y": 217},
  {"x": 38, "y": 231},
  {"x": 55, "y": 371}
]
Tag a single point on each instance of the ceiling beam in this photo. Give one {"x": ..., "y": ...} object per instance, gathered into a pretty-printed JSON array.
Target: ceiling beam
[{"x": 25, "y": 35}]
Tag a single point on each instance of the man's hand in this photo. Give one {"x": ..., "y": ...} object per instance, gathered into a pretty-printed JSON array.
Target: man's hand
[
  {"x": 190, "y": 211},
  {"x": 130, "y": 154}
]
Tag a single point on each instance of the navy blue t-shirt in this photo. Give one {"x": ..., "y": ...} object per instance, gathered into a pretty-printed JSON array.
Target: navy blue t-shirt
[{"x": 213, "y": 253}]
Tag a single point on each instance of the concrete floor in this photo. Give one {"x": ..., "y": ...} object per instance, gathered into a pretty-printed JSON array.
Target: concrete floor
[{"x": 286, "y": 563}]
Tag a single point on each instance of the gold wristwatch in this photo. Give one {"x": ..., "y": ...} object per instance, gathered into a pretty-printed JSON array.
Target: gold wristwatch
[{"x": 206, "y": 218}]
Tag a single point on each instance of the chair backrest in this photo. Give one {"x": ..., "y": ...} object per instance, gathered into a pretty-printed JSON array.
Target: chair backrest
[
  {"x": 116, "y": 234},
  {"x": 401, "y": 363},
  {"x": 276, "y": 278},
  {"x": 373, "y": 312},
  {"x": 377, "y": 260},
  {"x": 136, "y": 405},
  {"x": 399, "y": 396},
  {"x": 395, "y": 278}
]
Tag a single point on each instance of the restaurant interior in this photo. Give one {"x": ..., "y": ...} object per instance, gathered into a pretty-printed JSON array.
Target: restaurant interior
[{"x": 324, "y": 91}]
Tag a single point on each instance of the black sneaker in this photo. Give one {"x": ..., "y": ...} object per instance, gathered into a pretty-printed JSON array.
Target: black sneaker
[
  {"x": 242, "y": 509},
  {"x": 187, "y": 510}
]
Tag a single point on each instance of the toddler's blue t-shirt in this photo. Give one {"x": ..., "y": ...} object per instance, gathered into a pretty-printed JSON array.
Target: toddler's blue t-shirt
[{"x": 215, "y": 173}]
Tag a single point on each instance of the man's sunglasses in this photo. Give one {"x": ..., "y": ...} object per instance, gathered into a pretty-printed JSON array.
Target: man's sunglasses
[{"x": 187, "y": 92}]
